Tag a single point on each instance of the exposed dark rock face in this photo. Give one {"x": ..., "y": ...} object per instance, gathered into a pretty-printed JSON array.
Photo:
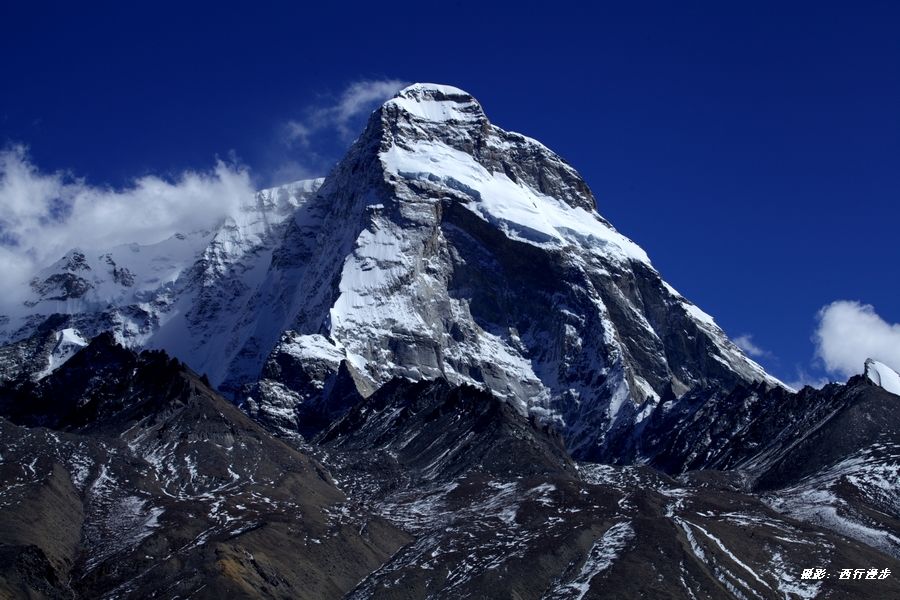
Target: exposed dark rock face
[
  {"x": 29, "y": 357},
  {"x": 829, "y": 456},
  {"x": 439, "y": 432},
  {"x": 780, "y": 436},
  {"x": 497, "y": 510}
]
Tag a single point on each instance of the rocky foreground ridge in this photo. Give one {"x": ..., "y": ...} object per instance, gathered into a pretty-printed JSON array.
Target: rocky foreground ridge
[{"x": 127, "y": 476}]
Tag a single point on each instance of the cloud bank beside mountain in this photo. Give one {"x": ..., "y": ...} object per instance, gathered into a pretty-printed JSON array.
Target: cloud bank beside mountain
[
  {"x": 849, "y": 332},
  {"x": 45, "y": 214}
]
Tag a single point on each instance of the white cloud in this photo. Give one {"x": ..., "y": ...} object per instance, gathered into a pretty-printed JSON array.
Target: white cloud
[
  {"x": 745, "y": 343},
  {"x": 357, "y": 98},
  {"x": 44, "y": 214},
  {"x": 849, "y": 332}
]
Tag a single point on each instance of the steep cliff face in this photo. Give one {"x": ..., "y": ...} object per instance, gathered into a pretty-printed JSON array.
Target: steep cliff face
[{"x": 444, "y": 246}]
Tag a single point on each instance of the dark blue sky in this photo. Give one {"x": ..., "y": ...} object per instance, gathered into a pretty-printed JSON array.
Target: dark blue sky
[{"x": 753, "y": 149}]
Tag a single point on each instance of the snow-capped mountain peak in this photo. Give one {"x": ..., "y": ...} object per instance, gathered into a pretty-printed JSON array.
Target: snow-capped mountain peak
[
  {"x": 437, "y": 103},
  {"x": 441, "y": 246},
  {"x": 882, "y": 375},
  {"x": 458, "y": 250}
]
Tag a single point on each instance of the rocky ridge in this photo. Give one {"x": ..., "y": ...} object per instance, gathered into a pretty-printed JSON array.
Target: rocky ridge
[{"x": 125, "y": 476}]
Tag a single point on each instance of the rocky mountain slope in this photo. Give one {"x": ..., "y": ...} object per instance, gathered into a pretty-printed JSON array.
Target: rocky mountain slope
[
  {"x": 498, "y": 509},
  {"x": 829, "y": 456},
  {"x": 126, "y": 476}
]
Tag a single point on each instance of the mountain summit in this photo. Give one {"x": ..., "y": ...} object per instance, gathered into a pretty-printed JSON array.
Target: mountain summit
[
  {"x": 443, "y": 246},
  {"x": 440, "y": 246}
]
